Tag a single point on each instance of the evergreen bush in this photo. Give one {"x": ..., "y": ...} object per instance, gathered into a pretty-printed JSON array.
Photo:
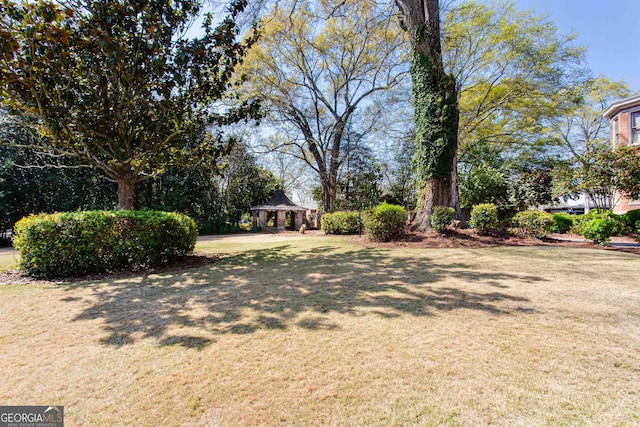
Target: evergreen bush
[
  {"x": 85, "y": 242},
  {"x": 533, "y": 223},
  {"x": 631, "y": 218},
  {"x": 599, "y": 229},
  {"x": 441, "y": 218},
  {"x": 562, "y": 222},
  {"x": 620, "y": 227},
  {"x": 386, "y": 222},
  {"x": 349, "y": 222},
  {"x": 484, "y": 218}
]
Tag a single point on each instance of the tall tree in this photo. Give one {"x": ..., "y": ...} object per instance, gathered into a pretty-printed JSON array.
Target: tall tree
[
  {"x": 317, "y": 66},
  {"x": 117, "y": 84},
  {"x": 510, "y": 67},
  {"x": 435, "y": 108}
]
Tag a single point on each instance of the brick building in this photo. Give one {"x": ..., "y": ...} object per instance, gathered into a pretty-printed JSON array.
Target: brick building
[{"x": 624, "y": 122}]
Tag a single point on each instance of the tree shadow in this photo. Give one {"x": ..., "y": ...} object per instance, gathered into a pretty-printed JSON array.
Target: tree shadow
[{"x": 279, "y": 288}]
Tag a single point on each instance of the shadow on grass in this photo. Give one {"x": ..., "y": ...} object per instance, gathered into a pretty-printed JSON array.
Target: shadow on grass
[{"x": 279, "y": 288}]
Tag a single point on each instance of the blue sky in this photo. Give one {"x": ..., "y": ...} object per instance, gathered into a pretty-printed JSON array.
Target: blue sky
[{"x": 609, "y": 28}]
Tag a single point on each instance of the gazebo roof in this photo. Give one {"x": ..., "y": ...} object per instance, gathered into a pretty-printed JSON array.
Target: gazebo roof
[{"x": 279, "y": 202}]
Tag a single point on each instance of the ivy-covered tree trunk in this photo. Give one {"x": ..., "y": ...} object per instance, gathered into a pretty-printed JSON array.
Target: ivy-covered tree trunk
[{"x": 436, "y": 112}]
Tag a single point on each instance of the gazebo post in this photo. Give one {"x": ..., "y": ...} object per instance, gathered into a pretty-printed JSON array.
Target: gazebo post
[
  {"x": 280, "y": 218},
  {"x": 299, "y": 219}
]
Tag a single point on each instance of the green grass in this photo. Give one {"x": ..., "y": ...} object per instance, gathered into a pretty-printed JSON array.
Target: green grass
[{"x": 301, "y": 330}]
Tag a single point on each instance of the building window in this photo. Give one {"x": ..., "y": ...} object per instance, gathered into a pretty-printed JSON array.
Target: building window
[
  {"x": 615, "y": 131},
  {"x": 635, "y": 127}
]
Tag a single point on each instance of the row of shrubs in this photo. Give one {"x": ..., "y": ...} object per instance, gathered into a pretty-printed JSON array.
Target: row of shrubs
[
  {"x": 76, "y": 243},
  {"x": 387, "y": 222},
  {"x": 596, "y": 226},
  {"x": 383, "y": 223}
]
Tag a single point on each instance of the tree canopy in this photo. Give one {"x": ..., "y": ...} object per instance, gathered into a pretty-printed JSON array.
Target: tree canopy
[
  {"x": 118, "y": 85},
  {"x": 317, "y": 67}
]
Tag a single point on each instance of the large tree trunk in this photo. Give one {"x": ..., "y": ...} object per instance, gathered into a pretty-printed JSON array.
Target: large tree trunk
[
  {"x": 434, "y": 192},
  {"x": 126, "y": 193},
  {"x": 329, "y": 191},
  {"x": 436, "y": 112}
]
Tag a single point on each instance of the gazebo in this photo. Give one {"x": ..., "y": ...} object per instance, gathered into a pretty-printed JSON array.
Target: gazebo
[{"x": 278, "y": 208}]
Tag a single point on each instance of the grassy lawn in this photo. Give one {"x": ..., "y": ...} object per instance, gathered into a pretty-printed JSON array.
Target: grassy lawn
[
  {"x": 7, "y": 259},
  {"x": 301, "y": 330}
]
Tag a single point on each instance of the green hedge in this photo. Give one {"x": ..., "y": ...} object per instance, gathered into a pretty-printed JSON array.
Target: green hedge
[
  {"x": 599, "y": 229},
  {"x": 341, "y": 223},
  {"x": 386, "y": 222},
  {"x": 441, "y": 218},
  {"x": 76, "y": 243},
  {"x": 484, "y": 218},
  {"x": 533, "y": 223},
  {"x": 562, "y": 222},
  {"x": 631, "y": 218},
  {"x": 619, "y": 227}
]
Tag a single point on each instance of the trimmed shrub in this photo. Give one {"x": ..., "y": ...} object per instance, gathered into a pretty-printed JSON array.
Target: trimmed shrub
[
  {"x": 637, "y": 230},
  {"x": 533, "y": 223},
  {"x": 484, "y": 218},
  {"x": 620, "y": 227},
  {"x": 341, "y": 223},
  {"x": 599, "y": 229},
  {"x": 441, "y": 218},
  {"x": 386, "y": 222},
  {"x": 562, "y": 222},
  {"x": 75, "y": 243},
  {"x": 632, "y": 218},
  {"x": 578, "y": 220}
]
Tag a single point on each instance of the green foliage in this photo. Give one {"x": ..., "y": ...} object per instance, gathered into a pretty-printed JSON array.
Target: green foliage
[
  {"x": 532, "y": 188},
  {"x": 562, "y": 222},
  {"x": 620, "y": 227},
  {"x": 116, "y": 85},
  {"x": 26, "y": 190},
  {"x": 605, "y": 174},
  {"x": 215, "y": 196},
  {"x": 631, "y": 218},
  {"x": 386, "y": 222},
  {"x": 441, "y": 217},
  {"x": 84, "y": 242},
  {"x": 626, "y": 163},
  {"x": 483, "y": 184},
  {"x": 511, "y": 66},
  {"x": 533, "y": 223},
  {"x": 484, "y": 218},
  {"x": 599, "y": 229},
  {"x": 341, "y": 223}
]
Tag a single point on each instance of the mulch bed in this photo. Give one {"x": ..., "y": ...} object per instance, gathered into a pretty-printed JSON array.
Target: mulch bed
[{"x": 468, "y": 238}]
